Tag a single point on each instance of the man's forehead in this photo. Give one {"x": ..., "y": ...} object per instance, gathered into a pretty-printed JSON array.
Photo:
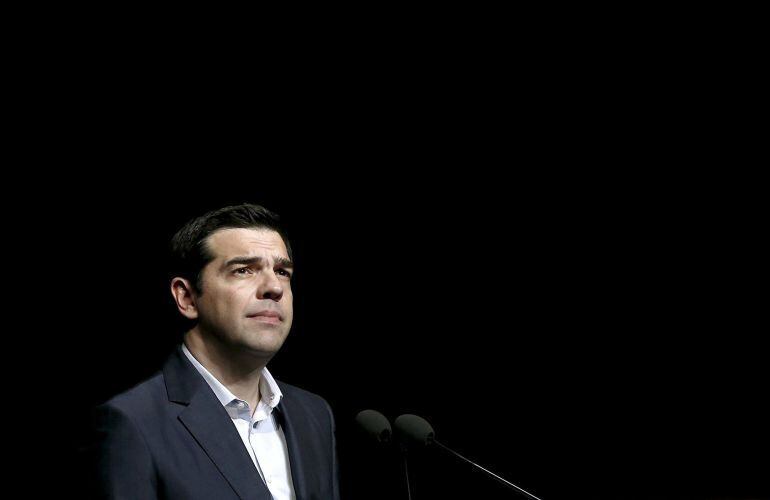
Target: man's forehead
[{"x": 226, "y": 243}]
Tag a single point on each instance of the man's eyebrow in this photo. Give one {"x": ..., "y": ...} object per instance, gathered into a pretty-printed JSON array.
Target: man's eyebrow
[
  {"x": 279, "y": 261},
  {"x": 283, "y": 262}
]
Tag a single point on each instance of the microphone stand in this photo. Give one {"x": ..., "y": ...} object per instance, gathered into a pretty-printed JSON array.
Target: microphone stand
[
  {"x": 492, "y": 474},
  {"x": 406, "y": 472}
]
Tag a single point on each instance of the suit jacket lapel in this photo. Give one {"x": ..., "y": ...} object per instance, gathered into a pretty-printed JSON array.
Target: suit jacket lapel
[
  {"x": 210, "y": 425},
  {"x": 303, "y": 473}
]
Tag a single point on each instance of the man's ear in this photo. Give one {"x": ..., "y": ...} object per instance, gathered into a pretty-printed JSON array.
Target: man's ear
[{"x": 184, "y": 297}]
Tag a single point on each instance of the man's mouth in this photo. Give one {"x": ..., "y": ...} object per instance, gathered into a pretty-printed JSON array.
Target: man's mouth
[{"x": 266, "y": 317}]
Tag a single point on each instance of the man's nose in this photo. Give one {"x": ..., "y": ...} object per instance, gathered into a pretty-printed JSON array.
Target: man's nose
[{"x": 270, "y": 288}]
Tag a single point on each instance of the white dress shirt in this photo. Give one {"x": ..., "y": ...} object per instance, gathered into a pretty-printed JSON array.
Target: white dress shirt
[{"x": 262, "y": 437}]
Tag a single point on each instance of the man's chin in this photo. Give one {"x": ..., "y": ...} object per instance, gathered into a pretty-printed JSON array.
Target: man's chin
[{"x": 265, "y": 347}]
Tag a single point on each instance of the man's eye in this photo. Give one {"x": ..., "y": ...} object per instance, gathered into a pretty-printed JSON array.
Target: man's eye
[
  {"x": 242, "y": 271},
  {"x": 283, "y": 272}
]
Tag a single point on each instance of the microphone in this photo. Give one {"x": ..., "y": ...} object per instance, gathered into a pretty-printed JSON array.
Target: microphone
[
  {"x": 375, "y": 425},
  {"x": 415, "y": 431}
]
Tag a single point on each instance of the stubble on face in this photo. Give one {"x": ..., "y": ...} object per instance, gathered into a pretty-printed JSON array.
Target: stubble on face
[{"x": 246, "y": 303}]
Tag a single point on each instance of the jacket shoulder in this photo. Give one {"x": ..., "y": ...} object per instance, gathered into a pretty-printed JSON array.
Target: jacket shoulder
[
  {"x": 141, "y": 400},
  {"x": 298, "y": 393},
  {"x": 309, "y": 400}
]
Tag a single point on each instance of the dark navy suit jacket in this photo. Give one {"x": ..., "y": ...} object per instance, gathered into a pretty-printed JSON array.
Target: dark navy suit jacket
[{"x": 171, "y": 438}]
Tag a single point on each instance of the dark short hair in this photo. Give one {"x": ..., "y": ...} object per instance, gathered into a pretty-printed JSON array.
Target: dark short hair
[{"x": 189, "y": 251}]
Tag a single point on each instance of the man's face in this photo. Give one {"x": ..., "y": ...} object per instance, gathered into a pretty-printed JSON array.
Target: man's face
[{"x": 246, "y": 298}]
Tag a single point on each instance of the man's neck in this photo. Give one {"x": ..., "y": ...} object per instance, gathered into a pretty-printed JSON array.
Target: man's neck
[{"x": 237, "y": 370}]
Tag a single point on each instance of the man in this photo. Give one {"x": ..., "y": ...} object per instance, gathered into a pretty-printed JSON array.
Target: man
[{"x": 214, "y": 424}]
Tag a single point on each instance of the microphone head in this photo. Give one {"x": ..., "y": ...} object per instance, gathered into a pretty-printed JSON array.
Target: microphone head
[
  {"x": 414, "y": 430},
  {"x": 374, "y": 424}
]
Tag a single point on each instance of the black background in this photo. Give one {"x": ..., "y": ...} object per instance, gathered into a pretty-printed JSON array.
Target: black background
[
  {"x": 551, "y": 252},
  {"x": 581, "y": 335}
]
